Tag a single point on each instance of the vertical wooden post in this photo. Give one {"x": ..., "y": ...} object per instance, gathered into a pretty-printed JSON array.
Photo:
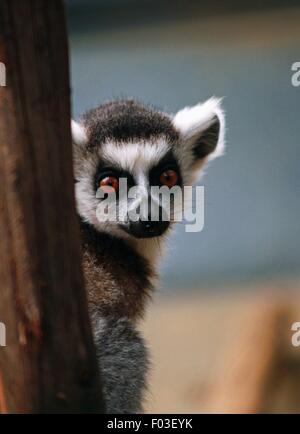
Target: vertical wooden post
[{"x": 49, "y": 362}]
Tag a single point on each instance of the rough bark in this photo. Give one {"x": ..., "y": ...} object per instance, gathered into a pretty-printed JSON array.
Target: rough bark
[{"x": 49, "y": 362}]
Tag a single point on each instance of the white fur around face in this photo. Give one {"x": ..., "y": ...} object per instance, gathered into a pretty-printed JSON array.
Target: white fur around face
[{"x": 136, "y": 158}]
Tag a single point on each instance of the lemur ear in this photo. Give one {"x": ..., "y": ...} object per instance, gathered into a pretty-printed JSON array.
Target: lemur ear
[
  {"x": 202, "y": 130},
  {"x": 79, "y": 136}
]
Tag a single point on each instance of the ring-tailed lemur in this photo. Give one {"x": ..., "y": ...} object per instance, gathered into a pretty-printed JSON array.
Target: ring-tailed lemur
[{"x": 125, "y": 139}]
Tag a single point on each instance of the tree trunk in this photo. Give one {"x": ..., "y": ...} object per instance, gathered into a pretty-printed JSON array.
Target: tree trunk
[{"x": 49, "y": 362}]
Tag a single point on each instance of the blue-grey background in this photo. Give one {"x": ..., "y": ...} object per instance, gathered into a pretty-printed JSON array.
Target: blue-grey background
[{"x": 176, "y": 53}]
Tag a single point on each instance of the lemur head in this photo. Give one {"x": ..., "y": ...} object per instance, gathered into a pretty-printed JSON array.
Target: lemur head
[{"x": 125, "y": 140}]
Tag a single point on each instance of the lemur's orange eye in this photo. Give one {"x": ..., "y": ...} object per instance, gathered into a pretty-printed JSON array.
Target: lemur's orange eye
[
  {"x": 109, "y": 184},
  {"x": 169, "y": 178}
]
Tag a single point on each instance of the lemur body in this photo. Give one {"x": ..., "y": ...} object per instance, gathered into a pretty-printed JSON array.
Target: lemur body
[
  {"x": 118, "y": 281},
  {"x": 147, "y": 147}
]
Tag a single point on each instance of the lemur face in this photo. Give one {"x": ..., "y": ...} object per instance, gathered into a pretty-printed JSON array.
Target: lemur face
[{"x": 124, "y": 151}]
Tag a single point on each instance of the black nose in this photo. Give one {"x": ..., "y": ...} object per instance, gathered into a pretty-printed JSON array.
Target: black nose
[{"x": 148, "y": 229}]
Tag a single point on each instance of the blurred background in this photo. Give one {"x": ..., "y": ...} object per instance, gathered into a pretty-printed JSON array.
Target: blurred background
[{"x": 228, "y": 293}]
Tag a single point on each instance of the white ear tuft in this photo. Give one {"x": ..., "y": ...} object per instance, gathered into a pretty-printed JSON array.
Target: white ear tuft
[
  {"x": 195, "y": 122},
  {"x": 79, "y": 136}
]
